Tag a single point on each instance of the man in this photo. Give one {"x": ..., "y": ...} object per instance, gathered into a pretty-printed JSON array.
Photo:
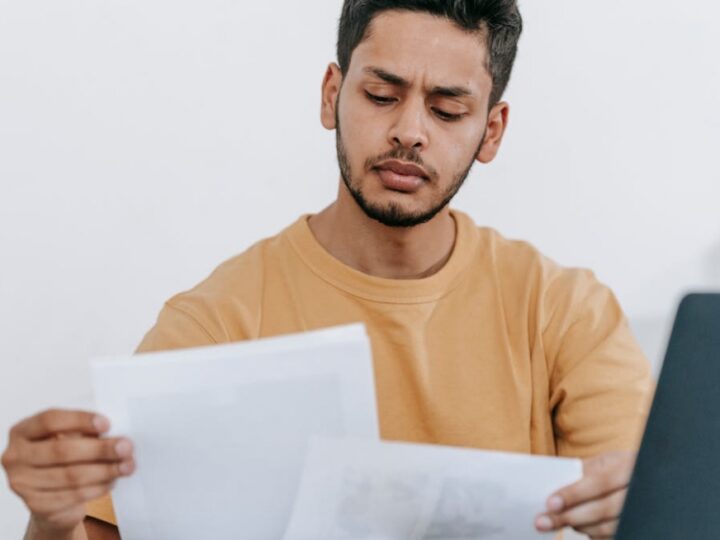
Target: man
[{"x": 477, "y": 341}]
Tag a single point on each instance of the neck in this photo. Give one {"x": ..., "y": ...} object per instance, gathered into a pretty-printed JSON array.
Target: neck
[{"x": 368, "y": 246}]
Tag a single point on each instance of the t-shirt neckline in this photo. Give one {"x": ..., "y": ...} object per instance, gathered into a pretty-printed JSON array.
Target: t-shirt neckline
[{"x": 378, "y": 289}]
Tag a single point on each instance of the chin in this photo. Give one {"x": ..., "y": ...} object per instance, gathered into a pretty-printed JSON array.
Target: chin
[{"x": 392, "y": 214}]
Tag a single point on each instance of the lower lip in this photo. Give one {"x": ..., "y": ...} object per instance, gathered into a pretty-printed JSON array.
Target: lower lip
[{"x": 400, "y": 182}]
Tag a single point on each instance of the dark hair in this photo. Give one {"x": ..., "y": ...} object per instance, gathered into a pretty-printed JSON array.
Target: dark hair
[{"x": 498, "y": 20}]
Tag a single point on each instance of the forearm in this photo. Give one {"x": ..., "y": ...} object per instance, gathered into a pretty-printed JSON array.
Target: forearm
[{"x": 36, "y": 533}]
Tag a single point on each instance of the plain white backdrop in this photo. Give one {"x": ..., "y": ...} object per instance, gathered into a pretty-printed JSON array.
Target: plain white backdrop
[{"x": 142, "y": 142}]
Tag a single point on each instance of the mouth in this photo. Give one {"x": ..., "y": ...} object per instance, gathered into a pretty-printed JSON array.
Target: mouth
[{"x": 399, "y": 176}]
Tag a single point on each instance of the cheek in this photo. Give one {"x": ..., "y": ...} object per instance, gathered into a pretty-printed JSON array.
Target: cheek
[
  {"x": 447, "y": 160},
  {"x": 362, "y": 135},
  {"x": 460, "y": 149}
]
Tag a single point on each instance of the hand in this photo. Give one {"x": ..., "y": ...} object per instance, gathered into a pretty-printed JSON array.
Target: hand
[
  {"x": 56, "y": 461},
  {"x": 593, "y": 504}
]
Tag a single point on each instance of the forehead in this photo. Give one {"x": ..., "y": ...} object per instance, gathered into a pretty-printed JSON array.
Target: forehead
[{"x": 421, "y": 45}]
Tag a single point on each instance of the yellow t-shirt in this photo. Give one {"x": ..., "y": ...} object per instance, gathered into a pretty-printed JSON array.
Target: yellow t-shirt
[{"x": 501, "y": 349}]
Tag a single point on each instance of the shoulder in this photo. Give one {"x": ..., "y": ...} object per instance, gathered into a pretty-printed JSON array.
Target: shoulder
[
  {"x": 520, "y": 263},
  {"x": 533, "y": 285},
  {"x": 227, "y": 305}
]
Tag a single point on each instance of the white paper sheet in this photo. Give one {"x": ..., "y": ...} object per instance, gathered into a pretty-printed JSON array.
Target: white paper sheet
[
  {"x": 221, "y": 432},
  {"x": 365, "y": 490}
]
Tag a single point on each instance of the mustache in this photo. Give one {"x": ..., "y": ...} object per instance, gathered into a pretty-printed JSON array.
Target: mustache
[{"x": 403, "y": 154}]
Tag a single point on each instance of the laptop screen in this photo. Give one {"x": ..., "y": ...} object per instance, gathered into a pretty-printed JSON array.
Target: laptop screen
[{"x": 675, "y": 489}]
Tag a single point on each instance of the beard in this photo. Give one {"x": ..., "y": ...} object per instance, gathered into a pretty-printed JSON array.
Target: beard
[{"x": 392, "y": 214}]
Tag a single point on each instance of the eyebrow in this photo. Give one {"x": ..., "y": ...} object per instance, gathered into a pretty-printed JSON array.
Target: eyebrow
[{"x": 396, "y": 80}]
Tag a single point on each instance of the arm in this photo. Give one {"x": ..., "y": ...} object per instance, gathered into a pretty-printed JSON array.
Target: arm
[
  {"x": 600, "y": 380},
  {"x": 58, "y": 460},
  {"x": 37, "y": 532},
  {"x": 90, "y": 529},
  {"x": 176, "y": 328},
  {"x": 600, "y": 391}
]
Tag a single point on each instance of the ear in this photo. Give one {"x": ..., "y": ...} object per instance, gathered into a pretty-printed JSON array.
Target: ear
[
  {"x": 332, "y": 81},
  {"x": 496, "y": 126}
]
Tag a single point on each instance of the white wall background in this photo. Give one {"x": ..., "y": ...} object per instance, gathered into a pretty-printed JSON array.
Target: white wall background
[{"x": 142, "y": 142}]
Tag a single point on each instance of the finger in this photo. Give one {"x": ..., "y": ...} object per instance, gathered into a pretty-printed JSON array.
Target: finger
[
  {"x": 590, "y": 513},
  {"x": 548, "y": 523},
  {"x": 57, "y": 452},
  {"x": 74, "y": 476},
  {"x": 605, "y": 529},
  {"x": 53, "y": 421},
  {"x": 70, "y": 435},
  {"x": 595, "y": 511},
  {"x": 45, "y": 503},
  {"x": 588, "y": 488}
]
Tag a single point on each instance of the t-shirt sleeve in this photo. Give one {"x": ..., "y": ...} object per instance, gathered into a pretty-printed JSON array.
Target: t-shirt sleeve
[
  {"x": 176, "y": 328},
  {"x": 600, "y": 381},
  {"x": 101, "y": 509}
]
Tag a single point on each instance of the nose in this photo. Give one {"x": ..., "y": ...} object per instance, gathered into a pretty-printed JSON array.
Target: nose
[{"x": 409, "y": 128}]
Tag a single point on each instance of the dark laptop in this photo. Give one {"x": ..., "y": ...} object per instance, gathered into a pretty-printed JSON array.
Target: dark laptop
[{"x": 675, "y": 488}]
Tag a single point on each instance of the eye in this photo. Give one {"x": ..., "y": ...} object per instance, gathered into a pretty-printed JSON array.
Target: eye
[
  {"x": 447, "y": 117},
  {"x": 380, "y": 100}
]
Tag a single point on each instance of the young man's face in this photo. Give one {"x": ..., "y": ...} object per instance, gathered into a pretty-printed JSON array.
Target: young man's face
[{"x": 411, "y": 115}]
